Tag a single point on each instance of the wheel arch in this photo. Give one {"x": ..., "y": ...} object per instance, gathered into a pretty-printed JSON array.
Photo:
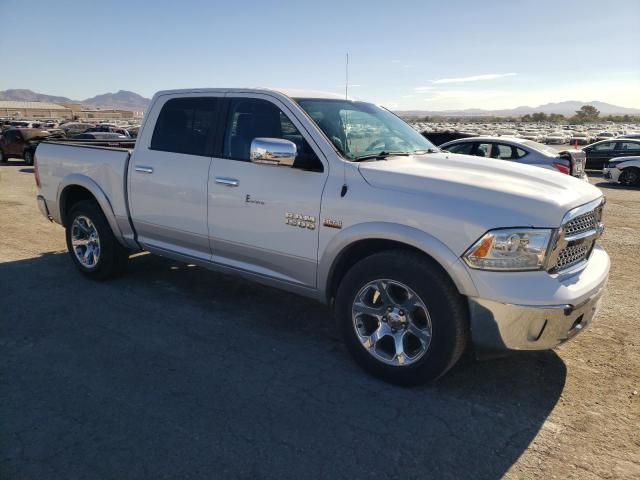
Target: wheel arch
[
  {"x": 357, "y": 242},
  {"x": 76, "y": 188}
]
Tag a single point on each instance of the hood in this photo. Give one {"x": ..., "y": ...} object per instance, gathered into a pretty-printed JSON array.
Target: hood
[{"x": 497, "y": 193}]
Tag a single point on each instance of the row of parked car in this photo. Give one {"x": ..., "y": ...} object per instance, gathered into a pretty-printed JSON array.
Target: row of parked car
[
  {"x": 19, "y": 139},
  {"x": 550, "y": 134}
]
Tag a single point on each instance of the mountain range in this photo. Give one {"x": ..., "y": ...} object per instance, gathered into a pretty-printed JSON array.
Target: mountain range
[
  {"x": 567, "y": 108},
  {"x": 122, "y": 99},
  {"x": 127, "y": 100}
]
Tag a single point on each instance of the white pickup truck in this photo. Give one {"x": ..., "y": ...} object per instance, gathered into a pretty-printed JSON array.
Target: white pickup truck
[{"x": 420, "y": 253}]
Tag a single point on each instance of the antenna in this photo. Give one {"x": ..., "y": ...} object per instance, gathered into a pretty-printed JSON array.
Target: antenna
[{"x": 346, "y": 85}]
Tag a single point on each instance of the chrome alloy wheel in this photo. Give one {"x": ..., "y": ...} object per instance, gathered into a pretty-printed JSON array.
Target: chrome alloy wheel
[
  {"x": 392, "y": 322},
  {"x": 85, "y": 241}
]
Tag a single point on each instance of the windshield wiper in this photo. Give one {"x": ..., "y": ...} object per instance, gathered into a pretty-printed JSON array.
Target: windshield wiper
[
  {"x": 381, "y": 155},
  {"x": 428, "y": 150}
]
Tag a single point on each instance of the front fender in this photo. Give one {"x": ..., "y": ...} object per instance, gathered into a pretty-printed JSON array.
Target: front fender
[
  {"x": 413, "y": 237},
  {"x": 77, "y": 179}
]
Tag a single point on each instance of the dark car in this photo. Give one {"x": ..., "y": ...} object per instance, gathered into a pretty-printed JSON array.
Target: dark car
[
  {"x": 21, "y": 143},
  {"x": 99, "y": 136},
  {"x": 438, "y": 138},
  {"x": 599, "y": 153},
  {"x": 107, "y": 129}
]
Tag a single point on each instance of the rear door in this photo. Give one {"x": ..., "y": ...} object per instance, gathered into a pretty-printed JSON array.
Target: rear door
[{"x": 168, "y": 174}]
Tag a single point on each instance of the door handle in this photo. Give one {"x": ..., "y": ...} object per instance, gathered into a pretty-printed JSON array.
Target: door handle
[
  {"x": 227, "y": 182},
  {"x": 142, "y": 169}
]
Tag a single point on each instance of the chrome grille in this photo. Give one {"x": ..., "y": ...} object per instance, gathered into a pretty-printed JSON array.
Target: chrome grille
[
  {"x": 582, "y": 223},
  {"x": 572, "y": 255},
  {"x": 577, "y": 237}
]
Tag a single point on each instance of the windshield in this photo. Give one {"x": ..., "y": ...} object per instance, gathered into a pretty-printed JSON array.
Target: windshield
[{"x": 360, "y": 129}]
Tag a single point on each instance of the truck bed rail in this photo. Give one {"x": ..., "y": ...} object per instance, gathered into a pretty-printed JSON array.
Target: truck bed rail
[{"x": 115, "y": 143}]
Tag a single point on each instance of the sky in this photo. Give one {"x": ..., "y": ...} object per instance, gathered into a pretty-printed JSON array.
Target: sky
[{"x": 423, "y": 54}]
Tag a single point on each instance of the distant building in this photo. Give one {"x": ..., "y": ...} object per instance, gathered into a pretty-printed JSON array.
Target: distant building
[
  {"x": 81, "y": 112},
  {"x": 14, "y": 109},
  {"x": 68, "y": 111}
]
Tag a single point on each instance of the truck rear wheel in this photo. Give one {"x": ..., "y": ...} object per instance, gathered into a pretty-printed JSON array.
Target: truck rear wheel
[
  {"x": 91, "y": 243},
  {"x": 401, "y": 317}
]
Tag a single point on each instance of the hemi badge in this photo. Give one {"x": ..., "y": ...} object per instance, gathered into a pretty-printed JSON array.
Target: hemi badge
[{"x": 331, "y": 223}]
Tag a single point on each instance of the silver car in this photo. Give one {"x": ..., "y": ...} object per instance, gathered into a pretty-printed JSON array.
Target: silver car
[{"x": 519, "y": 150}]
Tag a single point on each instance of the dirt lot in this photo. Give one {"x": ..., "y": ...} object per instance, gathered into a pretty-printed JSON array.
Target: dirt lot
[{"x": 176, "y": 372}]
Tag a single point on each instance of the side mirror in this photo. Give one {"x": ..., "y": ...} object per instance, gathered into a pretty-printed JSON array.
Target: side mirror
[{"x": 273, "y": 151}]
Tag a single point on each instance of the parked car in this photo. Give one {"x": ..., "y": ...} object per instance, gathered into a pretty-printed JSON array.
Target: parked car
[
  {"x": 99, "y": 136},
  {"x": 625, "y": 170},
  {"x": 21, "y": 143},
  {"x": 635, "y": 136},
  {"x": 600, "y": 152},
  {"x": 107, "y": 129},
  {"x": 605, "y": 136},
  {"x": 418, "y": 252},
  {"x": 521, "y": 151},
  {"x": 557, "y": 138},
  {"x": 74, "y": 128},
  {"x": 581, "y": 138},
  {"x": 439, "y": 137},
  {"x": 133, "y": 131},
  {"x": 533, "y": 136}
]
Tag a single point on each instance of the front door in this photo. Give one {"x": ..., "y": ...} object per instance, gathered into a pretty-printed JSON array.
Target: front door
[
  {"x": 264, "y": 218},
  {"x": 599, "y": 153},
  {"x": 168, "y": 176}
]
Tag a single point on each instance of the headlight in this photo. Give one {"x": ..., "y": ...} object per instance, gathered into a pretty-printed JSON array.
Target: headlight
[{"x": 510, "y": 249}]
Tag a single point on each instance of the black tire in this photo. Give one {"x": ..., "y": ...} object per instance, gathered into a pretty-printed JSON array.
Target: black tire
[
  {"x": 28, "y": 157},
  {"x": 630, "y": 176},
  {"x": 113, "y": 256},
  {"x": 3, "y": 157},
  {"x": 447, "y": 309}
]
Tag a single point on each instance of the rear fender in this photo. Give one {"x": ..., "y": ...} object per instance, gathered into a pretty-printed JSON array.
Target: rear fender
[{"x": 77, "y": 179}]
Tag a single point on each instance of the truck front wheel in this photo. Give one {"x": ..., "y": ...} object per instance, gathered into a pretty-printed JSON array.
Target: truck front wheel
[
  {"x": 401, "y": 317},
  {"x": 91, "y": 243}
]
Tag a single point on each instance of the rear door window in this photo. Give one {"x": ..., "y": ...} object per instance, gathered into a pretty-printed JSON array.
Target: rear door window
[
  {"x": 464, "y": 148},
  {"x": 631, "y": 147},
  {"x": 504, "y": 152},
  {"x": 186, "y": 125},
  {"x": 483, "y": 150}
]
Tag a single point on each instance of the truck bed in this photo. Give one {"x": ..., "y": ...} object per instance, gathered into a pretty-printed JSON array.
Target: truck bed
[{"x": 95, "y": 165}]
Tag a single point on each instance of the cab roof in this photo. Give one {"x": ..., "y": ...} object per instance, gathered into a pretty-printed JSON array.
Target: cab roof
[{"x": 291, "y": 93}]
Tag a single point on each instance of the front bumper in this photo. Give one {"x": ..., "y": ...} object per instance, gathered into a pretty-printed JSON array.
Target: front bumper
[
  {"x": 611, "y": 174},
  {"x": 499, "y": 326}
]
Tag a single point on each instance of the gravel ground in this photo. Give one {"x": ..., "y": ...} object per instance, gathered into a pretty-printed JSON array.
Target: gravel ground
[{"x": 177, "y": 372}]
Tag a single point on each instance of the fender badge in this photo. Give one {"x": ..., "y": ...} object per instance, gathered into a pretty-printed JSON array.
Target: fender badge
[
  {"x": 331, "y": 223},
  {"x": 248, "y": 199}
]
